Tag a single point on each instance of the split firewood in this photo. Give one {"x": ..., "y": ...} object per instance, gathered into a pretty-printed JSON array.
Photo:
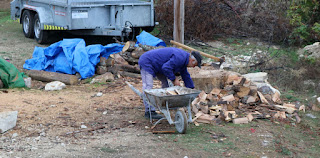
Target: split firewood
[
  {"x": 302, "y": 108},
  {"x": 202, "y": 96},
  {"x": 289, "y": 110},
  {"x": 231, "y": 78},
  {"x": 243, "y": 91},
  {"x": 262, "y": 98},
  {"x": 250, "y": 117},
  {"x": 197, "y": 116},
  {"x": 206, "y": 118},
  {"x": 240, "y": 120},
  {"x": 229, "y": 115},
  {"x": 215, "y": 91},
  {"x": 204, "y": 108},
  {"x": 228, "y": 98},
  {"x": 251, "y": 99},
  {"x": 276, "y": 98},
  {"x": 171, "y": 92},
  {"x": 280, "y": 114}
]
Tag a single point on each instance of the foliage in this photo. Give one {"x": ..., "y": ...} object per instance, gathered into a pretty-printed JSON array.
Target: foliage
[
  {"x": 208, "y": 19},
  {"x": 304, "y": 16}
]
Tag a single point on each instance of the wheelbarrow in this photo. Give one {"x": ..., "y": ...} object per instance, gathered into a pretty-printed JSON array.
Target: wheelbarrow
[{"x": 164, "y": 102}]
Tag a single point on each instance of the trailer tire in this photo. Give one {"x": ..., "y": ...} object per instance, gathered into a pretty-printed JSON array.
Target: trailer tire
[
  {"x": 28, "y": 24},
  {"x": 41, "y": 36}
]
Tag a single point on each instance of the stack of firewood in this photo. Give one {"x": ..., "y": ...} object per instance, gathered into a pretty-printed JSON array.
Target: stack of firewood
[
  {"x": 240, "y": 101},
  {"x": 124, "y": 63}
]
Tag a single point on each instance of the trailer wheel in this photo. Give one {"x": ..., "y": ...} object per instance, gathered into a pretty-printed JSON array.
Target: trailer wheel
[
  {"x": 28, "y": 24},
  {"x": 40, "y": 35}
]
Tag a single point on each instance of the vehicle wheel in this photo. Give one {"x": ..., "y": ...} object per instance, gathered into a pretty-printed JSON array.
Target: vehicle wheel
[
  {"x": 40, "y": 35},
  {"x": 135, "y": 32},
  {"x": 181, "y": 121},
  {"x": 148, "y": 29},
  {"x": 27, "y": 24}
]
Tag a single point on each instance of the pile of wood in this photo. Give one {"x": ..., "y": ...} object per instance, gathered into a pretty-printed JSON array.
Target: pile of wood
[
  {"x": 240, "y": 101},
  {"x": 124, "y": 63}
]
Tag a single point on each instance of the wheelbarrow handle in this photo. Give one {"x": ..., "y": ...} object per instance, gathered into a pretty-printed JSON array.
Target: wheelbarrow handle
[{"x": 134, "y": 89}]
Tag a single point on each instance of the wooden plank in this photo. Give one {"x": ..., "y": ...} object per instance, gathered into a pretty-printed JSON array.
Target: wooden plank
[{"x": 52, "y": 76}]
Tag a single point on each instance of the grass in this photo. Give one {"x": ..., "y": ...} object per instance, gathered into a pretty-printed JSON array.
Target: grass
[{"x": 4, "y": 16}]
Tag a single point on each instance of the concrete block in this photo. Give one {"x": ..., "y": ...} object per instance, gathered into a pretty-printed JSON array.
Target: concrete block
[{"x": 8, "y": 120}]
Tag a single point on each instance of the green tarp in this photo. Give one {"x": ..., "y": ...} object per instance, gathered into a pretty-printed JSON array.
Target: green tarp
[{"x": 10, "y": 75}]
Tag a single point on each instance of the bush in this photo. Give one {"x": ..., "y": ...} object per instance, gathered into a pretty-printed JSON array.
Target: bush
[{"x": 304, "y": 16}]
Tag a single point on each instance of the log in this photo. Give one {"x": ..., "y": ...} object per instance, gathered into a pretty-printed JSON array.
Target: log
[
  {"x": 119, "y": 60},
  {"x": 106, "y": 62},
  {"x": 52, "y": 76},
  {"x": 120, "y": 67},
  {"x": 129, "y": 46},
  {"x": 137, "y": 53},
  {"x": 128, "y": 68},
  {"x": 130, "y": 74},
  {"x": 207, "y": 80},
  {"x": 191, "y": 49}
]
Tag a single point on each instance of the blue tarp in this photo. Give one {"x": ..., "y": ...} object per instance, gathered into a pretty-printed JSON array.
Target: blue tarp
[
  {"x": 70, "y": 56},
  {"x": 146, "y": 38}
]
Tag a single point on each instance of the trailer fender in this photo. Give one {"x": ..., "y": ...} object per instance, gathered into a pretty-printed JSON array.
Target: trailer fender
[{"x": 45, "y": 15}]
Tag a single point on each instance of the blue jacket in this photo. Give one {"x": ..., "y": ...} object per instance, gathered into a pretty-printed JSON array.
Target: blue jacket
[{"x": 167, "y": 61}]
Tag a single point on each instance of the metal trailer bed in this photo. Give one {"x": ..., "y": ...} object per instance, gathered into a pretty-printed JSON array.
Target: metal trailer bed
[
  {"x": 83, "y": 17},
  {"x": 164, "y": 103}
]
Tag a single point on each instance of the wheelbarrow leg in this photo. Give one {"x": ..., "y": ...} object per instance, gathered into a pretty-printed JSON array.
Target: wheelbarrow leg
[{"x": 189, "y": 112}]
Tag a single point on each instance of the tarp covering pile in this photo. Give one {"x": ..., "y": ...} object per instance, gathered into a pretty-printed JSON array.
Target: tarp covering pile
[
  {"x": 72, "y": 55},
  {"x": 10, "y": 75}
]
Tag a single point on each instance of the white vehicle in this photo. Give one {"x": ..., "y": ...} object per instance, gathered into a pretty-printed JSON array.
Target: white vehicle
[{"x": 83, "y": 17}]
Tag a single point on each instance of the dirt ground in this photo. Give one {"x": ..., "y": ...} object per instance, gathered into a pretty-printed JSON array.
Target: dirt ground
[{"x": 75, "y": 122}]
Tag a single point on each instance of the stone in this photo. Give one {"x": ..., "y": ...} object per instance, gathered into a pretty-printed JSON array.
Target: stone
[
  {"x": 107, "y": 77},
  {"x": 55, "y": 86},
  {"x": 8, "y": 120}
]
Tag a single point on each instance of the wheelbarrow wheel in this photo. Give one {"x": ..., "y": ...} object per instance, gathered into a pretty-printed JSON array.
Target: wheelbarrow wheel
[{"x": 181, "y": 121}]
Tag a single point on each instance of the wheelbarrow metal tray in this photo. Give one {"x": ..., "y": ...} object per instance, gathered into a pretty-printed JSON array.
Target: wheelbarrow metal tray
[{"x": 159, "y": 97}]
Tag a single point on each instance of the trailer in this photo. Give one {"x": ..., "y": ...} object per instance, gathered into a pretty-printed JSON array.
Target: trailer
[{"x": 122, "y": 18}]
